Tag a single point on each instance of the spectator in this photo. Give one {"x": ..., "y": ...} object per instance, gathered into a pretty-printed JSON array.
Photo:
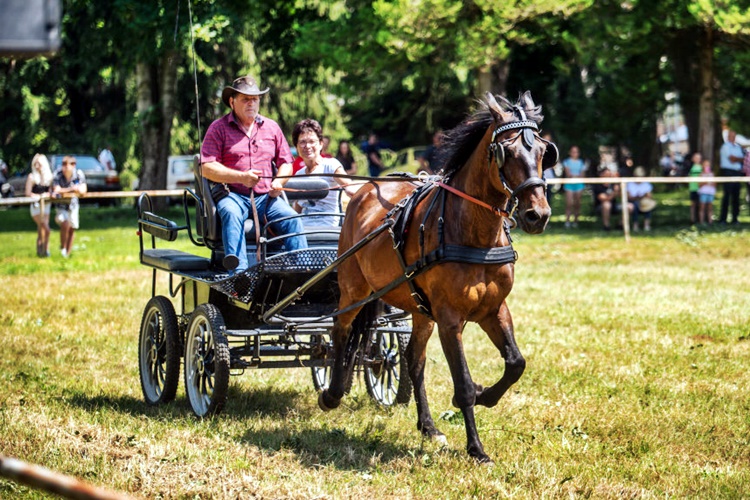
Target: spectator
[
  {"x": 641, "y": 202},
  {"x": 71, "y": 182},
  {"x": 6, "y": 190},
  {"x": 605, "y": 198},
  {"x": 731, "y": 157},
  {"x": 574, "y": 168},
  {"x": 346, "y": 158},
  {"x": 308, "y": 139},
  {"x": 746, "y": 172},
  {"x": 706, "y": 193},
  {"x": 38, "y": 185},
  {"x": 429, "y": 161},
  {"x": 107, "y": 159},
  {"x": 247, "y": 175},
  {"x": 372, "y": 152},
  {"x": 668, "y": 165},
  {"x": 695, "y": 171}
]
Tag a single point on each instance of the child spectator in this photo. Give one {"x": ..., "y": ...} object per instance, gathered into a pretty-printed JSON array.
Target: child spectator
[{"x": 706, "y": 193}]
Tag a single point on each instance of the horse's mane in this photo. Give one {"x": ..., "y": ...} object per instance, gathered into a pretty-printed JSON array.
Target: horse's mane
[{"x": 460, "y": 142}]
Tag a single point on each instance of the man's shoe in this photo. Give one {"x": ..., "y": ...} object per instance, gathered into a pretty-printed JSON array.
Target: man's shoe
[{"x": 230, "y": 262}]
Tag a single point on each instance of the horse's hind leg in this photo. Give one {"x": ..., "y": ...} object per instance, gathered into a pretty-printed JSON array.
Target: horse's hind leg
[
  {"x": 331, "y": 398},
  {"x": 500, "y": 331},
  {"x": 353, "y": 290},
  {"x": 416, "y": 355},
  {"x": 464, "y": 395}
]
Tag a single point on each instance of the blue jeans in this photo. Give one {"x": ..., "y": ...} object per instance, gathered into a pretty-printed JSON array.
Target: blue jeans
[{"x": 235, "y": 209}]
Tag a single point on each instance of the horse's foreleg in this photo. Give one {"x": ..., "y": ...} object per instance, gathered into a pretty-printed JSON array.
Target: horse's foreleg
[
  {"x": 500, "y": 331},
  {"x": 464, "y": 390},
  {"x": 416, "y": 354}
]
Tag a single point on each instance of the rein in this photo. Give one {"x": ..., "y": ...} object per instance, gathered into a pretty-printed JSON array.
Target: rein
[{"x": 495, "y": 210}]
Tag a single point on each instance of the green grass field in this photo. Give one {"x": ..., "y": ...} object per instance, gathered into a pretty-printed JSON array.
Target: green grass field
[{"x": 636, "y": 383}]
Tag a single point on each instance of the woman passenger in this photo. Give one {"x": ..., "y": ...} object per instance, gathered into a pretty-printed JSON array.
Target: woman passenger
[{"x": 307, "y": 137}]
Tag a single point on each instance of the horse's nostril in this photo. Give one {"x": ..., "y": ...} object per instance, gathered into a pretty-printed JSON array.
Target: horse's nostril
[{"x": 532, "y": 215}]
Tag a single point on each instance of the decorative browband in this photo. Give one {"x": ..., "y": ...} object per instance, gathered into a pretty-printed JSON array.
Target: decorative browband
[{"x": 515, "y": 125}]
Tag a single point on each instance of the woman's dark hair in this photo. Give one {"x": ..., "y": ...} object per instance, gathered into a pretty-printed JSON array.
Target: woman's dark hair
[
  {"x": 307, "y": 125},
  {"x": 349, "y": 155}
]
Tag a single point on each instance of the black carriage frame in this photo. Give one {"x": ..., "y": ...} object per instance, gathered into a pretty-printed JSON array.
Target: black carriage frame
[{"x": 275, "y": 314}]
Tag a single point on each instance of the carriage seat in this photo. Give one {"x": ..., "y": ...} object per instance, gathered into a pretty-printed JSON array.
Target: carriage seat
[
  {"x": 208, "y": 222},
  {"x": 171, "y": 260},
  {"x": 160, "y": 227}
]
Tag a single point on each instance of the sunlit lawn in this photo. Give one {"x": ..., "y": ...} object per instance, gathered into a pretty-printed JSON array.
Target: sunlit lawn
[{"x": 636, "y": 384}]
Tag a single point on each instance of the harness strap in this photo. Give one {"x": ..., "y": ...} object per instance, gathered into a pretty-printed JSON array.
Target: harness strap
[
  {"x": 256, "y": 223},
  {"x": 416, "y": 293},
  {"x": 495, "y": 210}
]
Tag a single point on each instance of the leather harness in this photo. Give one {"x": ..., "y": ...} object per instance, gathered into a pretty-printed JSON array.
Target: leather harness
[{"x": 400, "y": 216}]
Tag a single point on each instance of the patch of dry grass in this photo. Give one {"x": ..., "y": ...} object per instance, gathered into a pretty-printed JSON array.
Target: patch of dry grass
[{"x": 636, "y": 387}]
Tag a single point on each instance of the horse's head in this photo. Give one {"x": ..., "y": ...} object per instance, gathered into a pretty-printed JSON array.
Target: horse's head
[{"x": 520, "y": 156}]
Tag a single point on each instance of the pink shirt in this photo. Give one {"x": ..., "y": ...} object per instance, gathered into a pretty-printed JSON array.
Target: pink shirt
[{"x": 225, "y": 142}]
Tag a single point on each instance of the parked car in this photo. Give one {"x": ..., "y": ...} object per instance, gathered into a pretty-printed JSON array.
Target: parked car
[
  {"x": 98, "y": 178},
  {"x": 180, "y": 173}
]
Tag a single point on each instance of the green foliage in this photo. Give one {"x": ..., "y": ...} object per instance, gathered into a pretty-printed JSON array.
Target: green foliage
[{"x": 400, "y": 68}]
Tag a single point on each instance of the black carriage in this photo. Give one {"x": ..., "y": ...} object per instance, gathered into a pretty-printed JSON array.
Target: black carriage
[{"x": 276, "y": 314}]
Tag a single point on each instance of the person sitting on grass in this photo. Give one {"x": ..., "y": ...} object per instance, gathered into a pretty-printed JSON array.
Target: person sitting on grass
[
  {"x": 605, "y": 197},
  {"x": 640, "y": 200}
]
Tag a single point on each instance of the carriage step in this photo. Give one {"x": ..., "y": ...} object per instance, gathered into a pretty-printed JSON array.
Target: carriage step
[{"x": 394, "y": 329}]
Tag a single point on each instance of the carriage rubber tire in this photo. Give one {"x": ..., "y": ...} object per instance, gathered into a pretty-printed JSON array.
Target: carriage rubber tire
[
  {"x": 159, "y": 314},
  {"x": 207, "y": 319},
  {"x": 404, "y": 391}
]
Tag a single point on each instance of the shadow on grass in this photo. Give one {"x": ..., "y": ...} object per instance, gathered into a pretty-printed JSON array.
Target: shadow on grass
[
  {"x": 315, "y": 444},
  {"x": 332, "y": 442}
]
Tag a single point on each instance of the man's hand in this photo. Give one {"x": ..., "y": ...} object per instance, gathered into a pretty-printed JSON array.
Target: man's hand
[
  {"x": 251, "y": 178},
  {"x": 276, "y": 188}
]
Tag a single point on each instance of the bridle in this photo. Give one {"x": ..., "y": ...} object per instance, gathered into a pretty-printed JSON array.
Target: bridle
[{"x": 529, "y": 131}]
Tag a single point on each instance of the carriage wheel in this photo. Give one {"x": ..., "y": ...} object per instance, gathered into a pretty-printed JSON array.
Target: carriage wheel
[
  {"x": 206, "y": 361},
  {"x": 386, "y": 372},
  {"x": 159, "y": 351}
]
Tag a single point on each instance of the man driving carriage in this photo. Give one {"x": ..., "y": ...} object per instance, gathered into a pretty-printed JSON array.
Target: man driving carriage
[{"x": 239, "y": 150}]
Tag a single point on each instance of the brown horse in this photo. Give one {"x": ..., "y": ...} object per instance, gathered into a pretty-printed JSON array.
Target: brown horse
[{"x": 495, "y": 157}]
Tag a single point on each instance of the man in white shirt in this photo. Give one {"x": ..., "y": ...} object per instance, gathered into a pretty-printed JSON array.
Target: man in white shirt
[
  {"x": 107, "y": 159},
  {"x": 731, "y": 156}
]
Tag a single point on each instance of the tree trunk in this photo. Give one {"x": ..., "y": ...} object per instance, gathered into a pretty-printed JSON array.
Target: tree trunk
[
  {"x": 156, "y": 86},
  {"x": 687, "y": 79},
  {"x": 706, "y": 106}
]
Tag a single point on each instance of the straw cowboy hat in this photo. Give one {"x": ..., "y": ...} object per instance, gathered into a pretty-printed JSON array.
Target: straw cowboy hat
[
  {"x": 647, "y": 204},
  {"x": 244, "y": 85}
]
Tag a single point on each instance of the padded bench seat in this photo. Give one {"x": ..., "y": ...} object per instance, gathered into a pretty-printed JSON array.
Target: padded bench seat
[{"x": 173, "y": 260}]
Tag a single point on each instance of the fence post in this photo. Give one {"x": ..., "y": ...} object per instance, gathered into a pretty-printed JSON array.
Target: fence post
[{"x": 625, "y": 211}]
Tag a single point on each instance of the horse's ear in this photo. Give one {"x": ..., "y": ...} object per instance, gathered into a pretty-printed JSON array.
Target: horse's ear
[
  {"x": 533, "y": 111},
  {"x": 526, "y": 101},
  {"x": 493, "y": 106},
  {"x": 498, "y": 109}
]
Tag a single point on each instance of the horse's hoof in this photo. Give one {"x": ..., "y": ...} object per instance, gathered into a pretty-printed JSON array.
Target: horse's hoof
[
  {"x": 326, "y": 405},
  {"x": 440, "y": 439}
]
